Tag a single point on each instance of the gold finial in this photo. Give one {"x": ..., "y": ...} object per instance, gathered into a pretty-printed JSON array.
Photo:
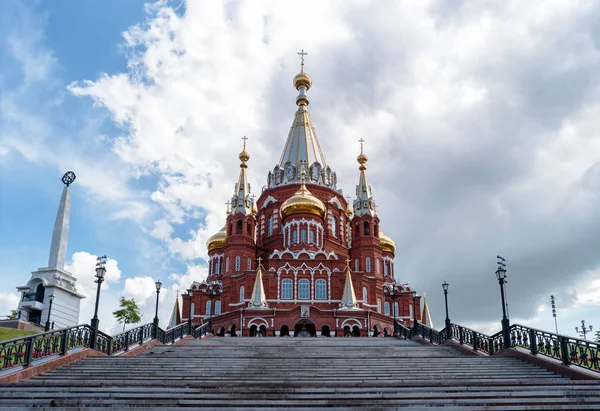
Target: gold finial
[
  {"x": 348, "y": 262},
  {"x": 228, "y": 203},
  {"x": 302, "y": 80},
  {"x": 362, "y": 157},
  {"x": 259, "y": 259},
  {"x": 244, "y": 156}
]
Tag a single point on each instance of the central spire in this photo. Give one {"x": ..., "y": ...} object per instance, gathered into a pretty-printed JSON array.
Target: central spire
[
  {"x": 242, "y": 202},
  {"x": 302, "y": 151}
]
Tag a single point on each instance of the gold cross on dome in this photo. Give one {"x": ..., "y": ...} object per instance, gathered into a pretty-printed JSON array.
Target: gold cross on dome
[
  {"x": 361, "y": 141},
  {"x": 245, "y": 139},
  {"x": 259, "y": 259},
  {"x": 302, "y": 54},
  {"x": 348, "y": 261},
  {"x": 228, "y": 203}
]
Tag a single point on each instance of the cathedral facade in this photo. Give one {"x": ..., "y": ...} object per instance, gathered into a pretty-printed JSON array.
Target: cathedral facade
[{"x": 301, "y": 260}]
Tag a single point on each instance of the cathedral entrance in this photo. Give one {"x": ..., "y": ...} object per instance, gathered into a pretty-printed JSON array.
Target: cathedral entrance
[{"x": 305, "y": 328}]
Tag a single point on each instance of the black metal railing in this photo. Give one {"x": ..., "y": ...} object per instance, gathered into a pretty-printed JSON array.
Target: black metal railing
[
  {"x": 24, "y": 351},
  {"x": 427, "y": 333},
  {"x": 569, "y": 350}
]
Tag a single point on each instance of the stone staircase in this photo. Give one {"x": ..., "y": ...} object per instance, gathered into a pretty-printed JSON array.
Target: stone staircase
[{"x": 303, "y": 373}]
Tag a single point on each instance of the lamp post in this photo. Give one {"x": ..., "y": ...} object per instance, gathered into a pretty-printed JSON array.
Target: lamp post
[
  {"x": 100, "y": 272},
  {"x": 212, "y": 290},
  {"x": 501, "y": 276},
  {"x": 191, "y": 295},
  {"x": 393, "y": 290},
  {"x": 584, "y": 330},
  {"x": 414, "y": 297},
  {"x": 158, "y": 287},
  {"x": 553, "y": 304},
  {"x": 50, "y": 299},
  {"x": 448, "y": 324}
]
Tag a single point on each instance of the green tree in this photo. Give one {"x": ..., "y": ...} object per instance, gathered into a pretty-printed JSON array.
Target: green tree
[
  {"x": 597, "y": 336},
  {"x": 129, "y": 313},
  {"x": 13, "y": 315}
]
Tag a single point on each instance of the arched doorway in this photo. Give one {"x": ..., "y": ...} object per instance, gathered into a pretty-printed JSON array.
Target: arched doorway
[
  {"x": 386, "y": 332},
  {"x": 262, "y": 330},
  {"x": 355, "y": 331},
  {"x": 232, "y": 331},
  {"x": 305, "y": 328},
  {"x": 221, "y": 332},
  {"x": 376, "y": 331},
  {"x": 325, "y": 331},
  {"x": 347, "y": 331},
  {"x": 253, "y": 330},
  {"x": 284, "y": 331}
]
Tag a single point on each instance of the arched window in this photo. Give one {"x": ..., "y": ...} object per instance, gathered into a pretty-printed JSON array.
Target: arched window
[
  {"x": 218, "y": 307},
  {"x": 217, "y": 265},
  {"x": 365, "y": 294},
  {"x": 333, "y": 227},
  {"x": 249, "y": 228},
  {"x": 227, "y": 265},
  {"x": 379, "y": 305},
  {"x": 311, "y": 236},
  {"x": 238, "y": 229},
  {"x": 378, "y": 266},
  {"x": 242, "y": 293},
  {"x": 386, "y": 270},
  {"x": 303, "y": 289},
  {"x": 321, "y": 289},
  {"x": 249, "y": 264},
  {"x": 410, "y": 308},
  {"x": 237, "y": 263},
  {"x": 208, "y": 307},
  {"x": 230, "y": 228},
  {"x": 270, "y": 225},
  {"x": 286, "y": 289},
  {"x": 368, "y": 264},
  {"x": 376, "y": 230},
  {"x": 386, "y": 308},
  {"x": 303, "y": 235},
  {"x": 396, "y": 309},
  {"x": 294, "y": 236},
  {"x": 356, "y": 265},
  {"x": 367, "y": 228}
]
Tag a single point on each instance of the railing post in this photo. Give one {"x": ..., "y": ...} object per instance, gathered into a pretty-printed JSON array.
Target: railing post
[
  {"x": 461, "y": 336},
  {"x": 28, "y": 352},
  {"x": 532, "y": 342},
  {"x": 64, "y": 341},
  {"x": 564, "y": 349},
  {"x": 109, "y": 346},
  {"x": 474, "y": 340},
  {"x": 491, "y": 346},
  {"x": 126, "y": 341},
  {"x": 141, "y": 336}
]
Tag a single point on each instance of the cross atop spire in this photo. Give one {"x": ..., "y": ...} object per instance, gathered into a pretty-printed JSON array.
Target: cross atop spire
[
  {"x": 302, "y": 53},
  {"x": 348, "y": 262},
  {"x": 245, "y": 139},
  {"x": 227, "y": 203},
  {"x": 259, "y": 259},
  {"x": 361, "y": 141}
]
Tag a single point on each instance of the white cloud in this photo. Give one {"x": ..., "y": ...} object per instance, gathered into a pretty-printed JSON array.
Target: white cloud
[
  {"x": 83, "y": 267},
  {"x": 8, "y": 302},
  {"x": 140, "y": 288}
]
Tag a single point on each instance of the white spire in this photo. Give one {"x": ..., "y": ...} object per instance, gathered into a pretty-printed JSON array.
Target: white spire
[
  {"x": 241, "y": 202},
  {"x": 302, "y": 151},
  {"x": 364, "y": 203},
  {"x": 349, "y": 297},
  {"x": 258, "y": 298},
  {"x": 60, "y": 235}
]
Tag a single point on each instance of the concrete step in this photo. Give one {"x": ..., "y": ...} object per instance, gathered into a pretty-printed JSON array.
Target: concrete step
[{"x": 254, "y": 373}]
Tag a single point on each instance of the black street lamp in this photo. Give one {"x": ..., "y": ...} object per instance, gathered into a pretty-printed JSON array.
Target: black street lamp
[
  {"x": 584, "y": 330},
  {"x": 100, "y": 272},
  {"x": 191, "y": 295},
  {"x": 501, "y": 275},
  {"x": 158, "y": 287},
  {"x": 448, "y": 324},
  {"x": 414, "y": 296},
  {"x": 50, "y": 299},
  {"x": 212, "y": 290},
  {"x": 393, "y": 290}
]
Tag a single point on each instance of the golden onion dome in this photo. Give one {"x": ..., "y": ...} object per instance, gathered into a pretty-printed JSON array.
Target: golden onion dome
[
  {"x": 254, "y": 211},
  {"x": 303, "y": 202},
  {"x": 244, "y": 155},
  {"x": 349, "y": 211},
  {"x": 217, "y": 240},
  {"x": 362, "y": 158},
  {"x": 386, "y": 243},
  {"x": 302, "y": 79}
]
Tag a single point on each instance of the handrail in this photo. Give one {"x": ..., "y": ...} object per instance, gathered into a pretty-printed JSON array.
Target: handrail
[
  {"x": 568, "y": 350},
  {"x": 26, "y": 350}
]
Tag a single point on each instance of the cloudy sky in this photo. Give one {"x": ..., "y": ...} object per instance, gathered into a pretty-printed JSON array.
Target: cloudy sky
[{"x": 481, "y": 122}]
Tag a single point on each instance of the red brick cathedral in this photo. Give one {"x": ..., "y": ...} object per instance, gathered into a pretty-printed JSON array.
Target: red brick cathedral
[{"x": 300, "y": 261}]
